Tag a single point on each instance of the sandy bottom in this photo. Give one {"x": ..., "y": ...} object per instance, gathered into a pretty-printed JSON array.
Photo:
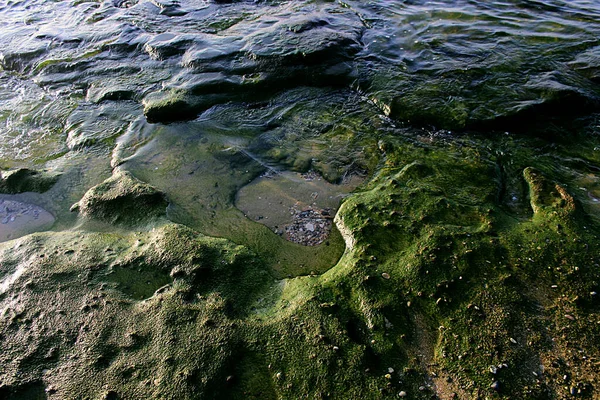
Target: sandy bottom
[
  {"x": 299, "y": 207},
  {"x": 19, "y": 219}
]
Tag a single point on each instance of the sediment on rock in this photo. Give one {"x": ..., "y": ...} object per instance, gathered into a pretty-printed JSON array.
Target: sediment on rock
[
  {"x": 122, "y": 199},
  {"x": 26, "y": 180}
]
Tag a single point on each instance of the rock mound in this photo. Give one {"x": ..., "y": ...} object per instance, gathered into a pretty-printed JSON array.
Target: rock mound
[
  {"x": 26, "y": 180},
  {"x": 122, "y": 199}
]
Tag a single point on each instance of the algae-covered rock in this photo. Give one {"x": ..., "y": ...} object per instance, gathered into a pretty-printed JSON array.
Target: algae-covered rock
[
  {"x": 123, "y": 199},
  {"x": 471, "y": 268},
  {"x": 26, "y": 180},
  {"x": 454, "y": 75},
  {"x": 170, "y": 106},
  {"x": 547, "y": 196},
  {"x": 97, "y": 337}
]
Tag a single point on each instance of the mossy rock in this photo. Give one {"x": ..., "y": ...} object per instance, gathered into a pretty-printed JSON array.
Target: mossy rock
[
  {"x": 168, "y": 107},
  {"x": 547, "y": 196},
  {"x": 26, "y": 180},
  {"x": 98, "y": 337},
  {"x": 123, "y": 199}
]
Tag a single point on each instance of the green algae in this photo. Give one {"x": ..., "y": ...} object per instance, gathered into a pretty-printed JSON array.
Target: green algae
[
  {"x": 119, "y": 342},
  {"x": 465, "y": 259},
  {"x": 122, "y": 199},
  {"x": 26, "y": 180},
  {"x": 441, "y": 281}
]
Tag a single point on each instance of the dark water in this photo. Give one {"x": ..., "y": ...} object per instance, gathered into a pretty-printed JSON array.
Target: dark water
[{"x": 199, "y": 98}]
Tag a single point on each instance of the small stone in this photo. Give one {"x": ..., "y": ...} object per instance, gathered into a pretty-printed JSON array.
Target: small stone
[
  {"x": 402, "y": 394},
  {"x": 388, "y": 376},
  {"x": 385, "y": 275},
  {"x": 573, "y": 390},
  {"x": 493, "y": 369},
  {"x": 391, "y": 370},
  {"x": 567, "y": 316},
  {"x": 495, "y": 386},
  {"x": 335, "y": 348},
  {"x": 278, "y": 375},
  {"x": 513, "y": 341},
  {"x": 593, "y": 293},
  {"x": 408, "y": 304}
]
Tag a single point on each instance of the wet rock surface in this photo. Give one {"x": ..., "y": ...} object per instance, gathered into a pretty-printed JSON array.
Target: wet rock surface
[
  {"x": 298, "y": 207},
  {"x": 122, "y": 199},
  {"x": 469, "y": 241},
  {"x": 285, "y": 49},
  {"x": 26, "y": 180}
]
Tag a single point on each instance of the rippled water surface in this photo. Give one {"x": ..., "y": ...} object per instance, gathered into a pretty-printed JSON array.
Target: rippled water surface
[{"x": 199, "y": 98}]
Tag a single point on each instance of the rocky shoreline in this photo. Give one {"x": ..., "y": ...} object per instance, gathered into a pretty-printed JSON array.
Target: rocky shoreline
[{"x": 299, "y": 199}]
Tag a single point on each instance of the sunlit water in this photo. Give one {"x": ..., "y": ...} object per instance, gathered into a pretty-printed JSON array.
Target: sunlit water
[{"x": 274, "y": 85}]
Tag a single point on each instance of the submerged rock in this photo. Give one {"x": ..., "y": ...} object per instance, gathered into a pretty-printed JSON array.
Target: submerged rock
[
  {"x": 545, "y": 195},
  {"x": 26, "y": 180},
  {"x": 123, "y": 199},
  {"x": 257, "y": 58},
  {"x": 452, "y": 74}
]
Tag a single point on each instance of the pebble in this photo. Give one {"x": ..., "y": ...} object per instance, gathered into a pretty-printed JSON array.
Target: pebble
[
  {"x": 513, "y": 341},
  {"x": 493, "y": 369},
  {"x": 385, "y": 275},
  {"x": 567, "y": 316},
  {"x": 495, "y": 386},
  {"x": 309, "y": 227},
  {"x": 402, "y": 394}
]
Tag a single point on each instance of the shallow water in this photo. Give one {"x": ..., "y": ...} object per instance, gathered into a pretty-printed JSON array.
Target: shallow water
[
  {"x": 18, "y": 219},
  {"x": 199, "y": 98},
  {"x": 459, "y": 139}
]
